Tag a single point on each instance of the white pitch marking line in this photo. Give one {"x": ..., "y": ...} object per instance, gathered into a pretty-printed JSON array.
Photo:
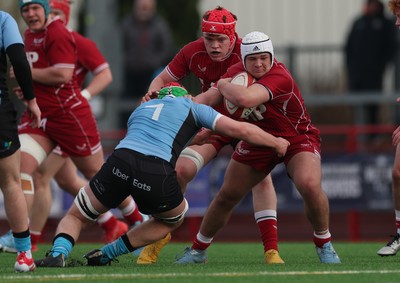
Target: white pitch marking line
[{"x": 217, "y": 274}]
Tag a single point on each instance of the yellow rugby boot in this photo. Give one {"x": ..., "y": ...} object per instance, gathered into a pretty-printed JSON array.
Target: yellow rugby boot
[
  {"x": 150, "y": 253},
  {"x": 272, "y": 257}
]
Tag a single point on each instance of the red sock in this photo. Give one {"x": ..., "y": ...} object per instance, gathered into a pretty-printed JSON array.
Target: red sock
[
  {"x": 269, "y": 233},
  {"x": 133, "y": 217},
  {"x": 35, "y": 237},
  {"x": 320, "y": 240},
  {"x": 398, "y": 224},
  {"x": 109, "y": 224},
  {"x": 198, "y": 245}
]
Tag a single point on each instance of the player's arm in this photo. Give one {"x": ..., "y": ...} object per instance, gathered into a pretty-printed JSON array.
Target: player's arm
[
  {"x": 157, "y": 83},
  {"x": 20, "y": 69},
  {"x": 160, "y": 80},
  {"x": 210, "y": 97},
  {"x": 52, "y": 75},
  {"x": 22, "y": 72},
  {"x": 251, "y": 134},
  {"x": 98, "y": 83},
  {"x": 242, "y": 96}
]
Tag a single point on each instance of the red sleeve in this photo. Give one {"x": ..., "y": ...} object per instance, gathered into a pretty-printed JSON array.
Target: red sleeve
[
  {"x": 178, "y": 68},
  {"x": 277, "y": 81},
  {"x": 89, "y": 56}
]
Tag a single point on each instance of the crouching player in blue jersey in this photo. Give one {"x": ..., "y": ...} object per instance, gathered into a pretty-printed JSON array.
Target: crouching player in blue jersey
[{"x": 143, "y": 166}]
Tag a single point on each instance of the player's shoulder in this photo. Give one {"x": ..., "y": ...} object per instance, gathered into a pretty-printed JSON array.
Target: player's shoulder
[
  {"x": 57, "y": 28},
  {"x": 8, "y": 22},
  {"x": 78, "y": 36},
  {"x": 199, "y": 108},
  {"x": 234, "y": 69},
  {"x": 279, "y": 68},
  {"x": 194, "y": 46},
  {"x": 4, "y": 17},
  {"x": 82, "y": 40},
  {"x": 279, "y": 75}
]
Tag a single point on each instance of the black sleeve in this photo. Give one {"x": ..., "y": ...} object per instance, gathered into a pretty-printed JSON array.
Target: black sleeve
[{"x": 22, "y": 70}]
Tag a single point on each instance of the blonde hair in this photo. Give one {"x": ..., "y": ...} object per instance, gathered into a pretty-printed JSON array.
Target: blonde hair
[{"x": 393, "y": 5}]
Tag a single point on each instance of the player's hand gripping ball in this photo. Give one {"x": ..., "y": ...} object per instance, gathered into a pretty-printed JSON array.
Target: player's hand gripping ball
[{"x": 243, "y": 79}]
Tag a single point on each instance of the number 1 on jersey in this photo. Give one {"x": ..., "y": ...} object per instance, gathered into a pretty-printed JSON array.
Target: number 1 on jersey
[{"x": 157, "y": 111}]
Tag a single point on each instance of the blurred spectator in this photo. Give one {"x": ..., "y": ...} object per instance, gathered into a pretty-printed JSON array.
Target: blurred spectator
[
  {"x": 147, "y": 46},
  {"x": 370, "y": 45}
]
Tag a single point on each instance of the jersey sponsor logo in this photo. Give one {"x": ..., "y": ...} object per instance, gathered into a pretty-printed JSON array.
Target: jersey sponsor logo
[
  {"x": 119, "y": 174},
  {"x": 32, "y": 57},
  {"x": 143, "y": 186},
  {"x": 258, "y": 113}
]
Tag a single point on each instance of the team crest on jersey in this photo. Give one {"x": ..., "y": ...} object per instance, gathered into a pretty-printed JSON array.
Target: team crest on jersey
[
  {"x": 242, "y": 151},
  {"x": 202, "y": 69},
  {"x": 38, "y": 41},
  {"x": 82, "y": 147}
]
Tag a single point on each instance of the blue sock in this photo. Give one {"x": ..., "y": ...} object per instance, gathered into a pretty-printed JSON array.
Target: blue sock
[
  {"x": 22, "y": 244},
  {"x": 61, "y": 246},
  {"x": 115, "y": 249}
]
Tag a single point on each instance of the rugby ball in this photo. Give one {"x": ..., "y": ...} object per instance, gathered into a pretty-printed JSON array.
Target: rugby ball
[{"x": 243, "y": 79}]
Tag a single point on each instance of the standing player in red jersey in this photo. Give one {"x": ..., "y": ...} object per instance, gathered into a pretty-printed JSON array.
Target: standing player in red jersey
[
  {"x": 280, "y": 110},
  {"x": 67, "y": 119},
  {"x": 208, "y": 58},
  {"x": 59, "y": 165}
]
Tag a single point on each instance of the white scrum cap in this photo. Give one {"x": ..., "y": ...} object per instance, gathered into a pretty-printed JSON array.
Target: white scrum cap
[{"x": 256, "y": 42}]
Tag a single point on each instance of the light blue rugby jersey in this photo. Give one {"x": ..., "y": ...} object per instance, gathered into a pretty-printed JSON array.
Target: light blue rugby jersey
[
  {"x": 163, "y": 127},
  {"x": 9, "y": 31},
  {"x": 9, "y": 35}
]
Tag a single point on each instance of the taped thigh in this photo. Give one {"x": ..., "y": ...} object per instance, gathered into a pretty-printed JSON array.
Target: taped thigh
[
  {"x": 32, "y": 147},
  {"x": 84, "y": 205}
]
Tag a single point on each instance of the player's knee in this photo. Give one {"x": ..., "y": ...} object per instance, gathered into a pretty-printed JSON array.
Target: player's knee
[
  {"x": 41, "y": 182},
  {"x": 82, "y": 201},
  {"x": 195, "y": 157},
  {"x": 186, "y": 172},
  {"x": 175, "y": 219},
  {"x": 226, "y": 200},
  {"x": 71, "y": 184}
]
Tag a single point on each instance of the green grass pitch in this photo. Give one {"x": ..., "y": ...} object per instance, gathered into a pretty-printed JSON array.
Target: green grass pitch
[{"x": 227, "y": 262}]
